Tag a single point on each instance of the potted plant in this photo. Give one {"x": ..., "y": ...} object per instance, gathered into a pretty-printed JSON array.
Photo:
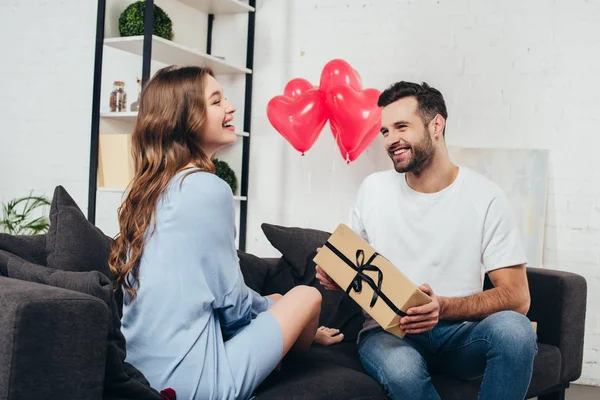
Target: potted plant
[
  {"x": 224, "y": 171},
  {"x": 18, "y": 216},
  {"x": 131, "y": 21}
]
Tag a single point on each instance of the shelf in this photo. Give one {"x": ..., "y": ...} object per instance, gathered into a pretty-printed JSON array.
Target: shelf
[
  {"x": 168, "y": 52},
  {"x": 219, "y": 6},
  {"x": 121, "y": 190},
  {"x": 126, "y": 116},
  {"x": 131, "y": 116},
  {"x": 110, "y": 190}
]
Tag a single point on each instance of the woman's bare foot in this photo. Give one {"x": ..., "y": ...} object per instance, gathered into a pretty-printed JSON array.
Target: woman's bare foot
[{"x": 328, "y": 336}]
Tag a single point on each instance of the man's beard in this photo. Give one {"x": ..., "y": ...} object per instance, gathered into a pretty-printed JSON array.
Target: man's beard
[{"x": 421, "y": 154}]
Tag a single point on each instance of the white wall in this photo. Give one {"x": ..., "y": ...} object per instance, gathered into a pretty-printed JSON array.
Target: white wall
[
  {"x": 514, "y": 74},
  {"x": 46, "y": 73}
]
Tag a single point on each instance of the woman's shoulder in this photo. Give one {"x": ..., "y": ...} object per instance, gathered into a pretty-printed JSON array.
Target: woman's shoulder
[{"x": 201, "y": 185}]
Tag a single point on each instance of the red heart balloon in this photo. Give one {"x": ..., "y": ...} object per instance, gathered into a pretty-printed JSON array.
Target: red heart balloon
[
  {"x": 354, "y": 118},
  {"x": 350, "y": 156},
  {"x": 339, "y": 72},
  {"x": 299, "y": 119},
  {"x": 296, "y": 87}
]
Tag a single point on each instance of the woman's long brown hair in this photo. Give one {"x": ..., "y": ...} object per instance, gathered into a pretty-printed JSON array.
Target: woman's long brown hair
[{"x": 164, "y": 141}]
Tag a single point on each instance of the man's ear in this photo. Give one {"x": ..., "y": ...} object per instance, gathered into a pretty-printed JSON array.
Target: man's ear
[{"x": 437, "y": 125}]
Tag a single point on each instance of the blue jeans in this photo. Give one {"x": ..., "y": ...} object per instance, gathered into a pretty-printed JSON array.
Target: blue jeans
[{"x": 500, "y": 348}]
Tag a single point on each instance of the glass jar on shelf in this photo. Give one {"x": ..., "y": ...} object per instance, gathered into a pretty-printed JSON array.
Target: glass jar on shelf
[{"x": 118, "y": 97}]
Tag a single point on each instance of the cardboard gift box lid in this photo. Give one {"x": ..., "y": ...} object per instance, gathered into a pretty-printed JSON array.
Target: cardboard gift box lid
[{"x": 369, "y": 278}]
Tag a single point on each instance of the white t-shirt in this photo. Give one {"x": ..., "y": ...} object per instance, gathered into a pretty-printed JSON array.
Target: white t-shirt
[{"x": 448, "y": 239}]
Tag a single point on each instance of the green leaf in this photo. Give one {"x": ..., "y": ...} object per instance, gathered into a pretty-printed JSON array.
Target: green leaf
[{"x": 17, "y": 219}]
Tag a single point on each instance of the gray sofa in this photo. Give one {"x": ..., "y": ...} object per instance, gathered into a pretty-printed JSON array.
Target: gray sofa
[{"x": 60, "y": 336}]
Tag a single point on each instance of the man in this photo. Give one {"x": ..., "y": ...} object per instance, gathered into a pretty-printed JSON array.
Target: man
[{"x": 447, "y": 226}]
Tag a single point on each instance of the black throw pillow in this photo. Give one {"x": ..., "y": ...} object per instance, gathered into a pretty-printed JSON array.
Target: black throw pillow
[
  {"x": 254, "y": 270},
  {"x": 122, "y": 380},
  {"x": 73, "y": 243},
  {"x": 29, "y": 247},
  {"x": 298, "y": 247},
  {"x": 280, "y": 279},
  {"x": 4, "y": 257}
]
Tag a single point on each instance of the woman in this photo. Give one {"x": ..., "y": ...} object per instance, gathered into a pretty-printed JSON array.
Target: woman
[{"x": 190, "y": 321}]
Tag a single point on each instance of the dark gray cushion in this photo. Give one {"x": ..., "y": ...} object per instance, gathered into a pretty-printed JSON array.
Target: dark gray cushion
[
  {"x": 279, "y": 279},
  {"x": 298, "y": 247},
  {"x": 72, "y": 243},
  {"x": 254, "y": 270},
  {"x": 122, "y": 381},
  {"x": 319, "y": 381},
  {"x": 29, "y": 247},
  {"x": 546, "y": 372},
  {"x": 4, "y": 256},
  {"x": 343, "y": 354}
]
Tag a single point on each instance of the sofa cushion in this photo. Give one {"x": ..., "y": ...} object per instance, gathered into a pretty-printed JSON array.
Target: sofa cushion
[
  {"x": 73, "y": 243},
  {"x": 279, "y": 279},
  {"x": 254, "y": 270},
  {"x": 29, "y": 247},
  {"x": 319, "y": 381},
  {"x": 343, "y": 354},
  {"x": 546, "y": 369},
  {"x": 4, "y": 257},
  {"x": 298, "y": 247},
  {"x": 546, "y": 372},
  {"x": 122, "y": 380}
]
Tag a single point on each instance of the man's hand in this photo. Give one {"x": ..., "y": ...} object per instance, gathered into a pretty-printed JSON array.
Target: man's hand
[
  {"x": 424, "y": 318},
  {"x": 324, "y": 279}
]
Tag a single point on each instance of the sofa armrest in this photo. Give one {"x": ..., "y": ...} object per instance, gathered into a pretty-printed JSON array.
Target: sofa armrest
[
  {"x": 52, "y": 342},
  {"x": 558, "y": 305}
]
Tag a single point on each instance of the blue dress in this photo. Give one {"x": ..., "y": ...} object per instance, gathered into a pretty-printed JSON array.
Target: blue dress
[{"x": 195, "y": 326}]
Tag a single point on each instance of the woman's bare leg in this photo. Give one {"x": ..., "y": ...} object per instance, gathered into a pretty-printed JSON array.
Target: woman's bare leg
[{"x": 298, "y": 316}]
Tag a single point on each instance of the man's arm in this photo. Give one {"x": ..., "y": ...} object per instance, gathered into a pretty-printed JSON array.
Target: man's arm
[
  {"x": 510, "y": 292},
  {"x": 503, "y": 258}
]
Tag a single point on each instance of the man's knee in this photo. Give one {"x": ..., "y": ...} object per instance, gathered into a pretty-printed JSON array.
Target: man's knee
[
  {"x": 402, "y": 370},
  {"x": 513, "y": 334}
]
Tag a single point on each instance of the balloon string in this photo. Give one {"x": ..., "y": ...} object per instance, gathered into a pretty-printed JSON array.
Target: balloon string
[{"x": 347, "y": 158}]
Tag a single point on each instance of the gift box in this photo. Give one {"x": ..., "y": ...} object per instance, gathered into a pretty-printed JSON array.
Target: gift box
[{"x": 369, "y": 278}]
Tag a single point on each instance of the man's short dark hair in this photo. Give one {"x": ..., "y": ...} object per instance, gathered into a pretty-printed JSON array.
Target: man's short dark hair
[{"x": 430, "y": 100}]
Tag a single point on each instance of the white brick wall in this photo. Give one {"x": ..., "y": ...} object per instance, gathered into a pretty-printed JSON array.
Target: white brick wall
[
  {"x": 46, "y": 72},
  {"x": 514, "y": 74}
]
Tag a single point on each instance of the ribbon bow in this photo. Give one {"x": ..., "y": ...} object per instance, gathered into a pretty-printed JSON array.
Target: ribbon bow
[{"x": 356, "y": 283}]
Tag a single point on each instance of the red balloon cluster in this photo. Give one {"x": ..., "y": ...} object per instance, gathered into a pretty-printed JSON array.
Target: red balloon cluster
[{"x": 301, "y": 112}]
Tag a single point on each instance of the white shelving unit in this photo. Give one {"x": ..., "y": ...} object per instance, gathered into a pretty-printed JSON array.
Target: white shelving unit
[
  {"x": 219, "y": 6},
  {"x": 113, "y": 127},
  {"x": 168, "y": 52}
]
